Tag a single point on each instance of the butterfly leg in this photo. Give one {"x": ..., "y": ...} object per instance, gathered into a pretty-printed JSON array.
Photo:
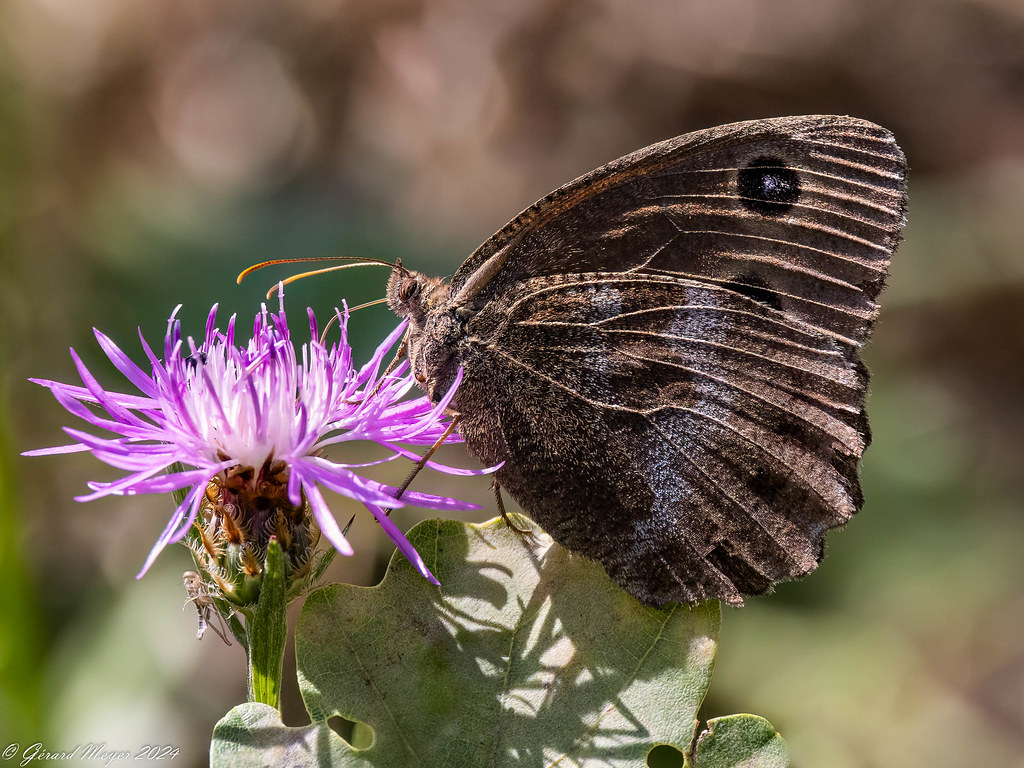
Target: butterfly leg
[
  {"x": 426, "y": 456},
  {"x": 504, "y": 515},
  {"x": 421, "y": 463}
]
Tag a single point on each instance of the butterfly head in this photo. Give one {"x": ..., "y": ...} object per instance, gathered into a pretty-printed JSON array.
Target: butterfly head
[{"x": 413, "y": 295}]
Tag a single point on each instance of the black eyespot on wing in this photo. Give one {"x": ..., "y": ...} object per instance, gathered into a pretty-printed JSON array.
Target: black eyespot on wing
[
  {"x": 768, "y": 187},
  {"x": 754, "y": 287}
]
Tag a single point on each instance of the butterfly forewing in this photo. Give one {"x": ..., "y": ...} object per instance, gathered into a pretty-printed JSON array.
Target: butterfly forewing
[
  {"x": 664, "y": 352},
  {"x": 802, "y": 213}
]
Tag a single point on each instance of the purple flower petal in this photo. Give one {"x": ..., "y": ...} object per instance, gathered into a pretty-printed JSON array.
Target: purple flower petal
[
  {"x": 324, "y": 518},
  {"x": 76, "y": 448},
  {"x": 349, "y": 483},
  {"x": 430, "y": 501},
  {"x": 214, "y": 405},
  {"x": 401, "y": 450},
  {"x": 403, "y": 544},
  {"x": 123, "y": 363},
  {"x": 176, "y": 528}
]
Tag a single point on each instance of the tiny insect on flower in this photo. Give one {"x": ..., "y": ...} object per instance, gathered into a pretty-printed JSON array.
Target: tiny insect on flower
[
  {"x": 203, "y": 600},
  {"x": 245, "y": 430}
]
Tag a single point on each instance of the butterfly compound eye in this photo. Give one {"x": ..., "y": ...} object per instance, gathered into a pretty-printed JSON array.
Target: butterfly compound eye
[{"x": 409, "y": 288}]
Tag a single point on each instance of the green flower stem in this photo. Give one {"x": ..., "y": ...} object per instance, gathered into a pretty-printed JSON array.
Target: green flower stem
[{"x": 268, "y": 631}]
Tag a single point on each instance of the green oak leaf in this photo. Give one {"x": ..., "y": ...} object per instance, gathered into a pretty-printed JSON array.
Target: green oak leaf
[
  {"x": 740, "y": 741},
  {"x": 527, "y": 655}
]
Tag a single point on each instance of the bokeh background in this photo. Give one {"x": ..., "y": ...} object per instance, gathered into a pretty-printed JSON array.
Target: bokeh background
[{"x": 151, "y": 150}]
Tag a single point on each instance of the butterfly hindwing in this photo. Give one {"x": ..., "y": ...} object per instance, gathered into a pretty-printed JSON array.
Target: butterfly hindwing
[{"x": 662, "y": 420}]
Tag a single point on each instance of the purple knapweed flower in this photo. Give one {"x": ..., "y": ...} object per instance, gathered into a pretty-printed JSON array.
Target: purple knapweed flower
[{"x": 239, "y": 424}]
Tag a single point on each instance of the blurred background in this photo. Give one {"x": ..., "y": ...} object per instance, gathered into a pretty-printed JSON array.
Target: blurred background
[{"x": 150, "y": 151}]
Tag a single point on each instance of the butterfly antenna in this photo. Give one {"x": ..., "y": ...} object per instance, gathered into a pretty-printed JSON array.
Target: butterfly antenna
[
  {"x": 302, "y": 259},
  {"x": 364, "y": 305},
  {"x": 356, "y": 261}
]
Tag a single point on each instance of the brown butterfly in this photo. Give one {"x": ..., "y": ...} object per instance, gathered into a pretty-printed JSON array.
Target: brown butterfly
[{"x": 664, "y": 352}]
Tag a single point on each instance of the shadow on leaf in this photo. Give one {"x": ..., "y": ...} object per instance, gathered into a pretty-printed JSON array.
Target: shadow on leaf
[{"x": 527, "y": 656}]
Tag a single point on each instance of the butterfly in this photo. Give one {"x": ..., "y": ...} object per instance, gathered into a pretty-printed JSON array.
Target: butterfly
[{"x": 664, "y": 353}]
